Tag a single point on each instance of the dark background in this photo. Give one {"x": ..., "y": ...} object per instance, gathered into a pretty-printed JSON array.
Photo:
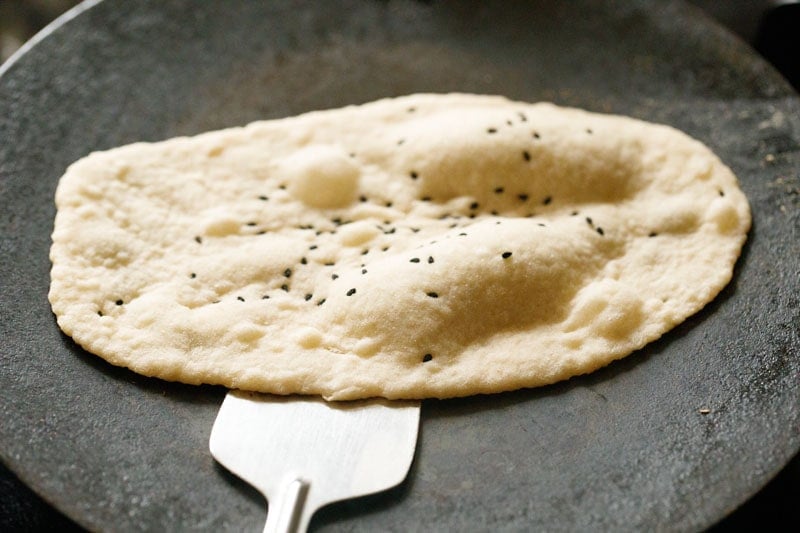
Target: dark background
[{"x": 772, "y": 28}]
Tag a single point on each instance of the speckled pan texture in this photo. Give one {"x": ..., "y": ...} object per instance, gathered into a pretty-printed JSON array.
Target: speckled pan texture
[{"x": 671, "y": 438}]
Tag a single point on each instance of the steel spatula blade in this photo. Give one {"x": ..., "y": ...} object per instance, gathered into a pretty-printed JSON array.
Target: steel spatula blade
[{"x": 302, "y": 453}]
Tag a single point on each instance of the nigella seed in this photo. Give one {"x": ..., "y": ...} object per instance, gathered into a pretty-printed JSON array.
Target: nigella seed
[
  {"x": 307, "y": 297},
  {"x": 119, "y": 302},
  {"x": 523, "y": 197},
  {"x": 491, "y": 130},
  {"x": 653, "y": 234},
  {"x": 329, "y": 263},
  {"x": 522, "y": 116},
  {"x": 198, "y": 239},
  {"x": 388, "y": 204},
  {"x": 321, "y": 302},
  {"x": 499, "y": 190},
  {"x": 240, "y": 298},
  {"x": 589, "y": 131},
  {"x": 365, "y": 252},
  {"x": 313, "y": 247},
  {"x": 414, "y": 260},
  {"x": 99, "y": 313},
  {"x": 547, "y": 200},
  {"x": 433, "y": 294},
  {"x": 474, "y": 205},
  {"x": 536, "y": 135},
  {"x": 462, "y": 234},
  {"x": 363, "y": 270},
  {"x": 427, "y": 357},
  {"x": 413, "y": 174},
  {"x": 263, "y": 198},
  {"x": 334, "y": 276},
  {"x": 506, "y": 255},
  {"x": 384, "y": 249},
  {"x": 540, "y": 224},
  {"x": 414, "y": 230},
  {"x": 351, "y": 292},
  {"x": 362, "y": 198},
  {"x": 303, "y": 261},
  {"x": 430, "y": 260},
  {"x": 265, "y": 297},
  {"x": 721, "y": 192},
  {"x": 526, "y": 155},
  {"x": 192, "y": 275},
  {"x": 251, "y": 223},
  {"x": 600, "y": 231},
  {"x": 574, "y": 214},
  {"x": 285, "y": 288},
  {"x": 426, "y": 198},
  {"x": 589, "y": 221},
  {"x": 282, "y": 187},
  {"x": 287, "y": 273}
]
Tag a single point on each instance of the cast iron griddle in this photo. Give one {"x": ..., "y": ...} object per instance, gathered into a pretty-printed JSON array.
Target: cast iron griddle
[{"x": 626, "y": 448}]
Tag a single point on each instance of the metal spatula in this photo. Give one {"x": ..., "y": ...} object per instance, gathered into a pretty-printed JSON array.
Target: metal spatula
[{"x": 302, "y": 453}]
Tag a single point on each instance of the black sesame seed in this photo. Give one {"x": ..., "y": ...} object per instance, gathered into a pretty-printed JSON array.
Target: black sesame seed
[
  {"x": 313, "y": 247},
  {"x": 321, "y": 302},
  {"x": 119, "y": 302},
  {"x": 192, "y": 275},
  {"x": 287, "y": 273},
  {"x": 600, "y": 231},
  {"x": 362, "y": 198},
  {"x": 426, "y": 198},
  {"x": 351, "y": 292},
  {"x": 474, "y": 205},
  {"x": 522, "y": 116},
  {"x": 721, "y": 192},
  {"x": 263, "y": 198},
  {"x": 265, "y": 297},
  {"x": 363, "y": 270},
  {"x": 523, "y": 197},
  {"x": 414, "y": 260},
  {"x": 329, "y": 263},
  {"x": 415, "y": 230},
  {"x": 365, "y": 252},
  {"x": 574, "y": 213},
  {"x": 526, "y": 155},
  {"x": 240, "y": 298},
  {"x": 99, "y": 313},
  {"x": 430, "y": 259},
  {"x": 499, "y": 190},
  {"x": 589, "y": 221},
  {"x": 285, "y": 288},
  {"x": 334, "y": 276},
  {"x": 282, "y": 187},
  {"x": 303, "y": 261},
  {"x": 427, "y": 357},
  {"x": 589, "y": 131},
  {"x": 653, "y": 234},
  {"x": 547, "y": 200},
  {"x": 462, "y": 234},
  {"x": 388, "y": 204},
  {"x": 491, "y": 130},
  {"x": 433, "y": 294},
  {"x": 352, "y": 154},
  {"x": 251, "y": 223},
  {"x": 506, "y": 255},
  {"x": 198, "y": 239},
  {"x": 384, "y": 249},
  {"x": 540, "y": 224},
  {"x": 307, "y": 297},
  {"x": 453, "y": 225},
  {"x": 495, "y": 212},
  {"x": 413, "y": 175},
  {"x": 536, "y": 135}
]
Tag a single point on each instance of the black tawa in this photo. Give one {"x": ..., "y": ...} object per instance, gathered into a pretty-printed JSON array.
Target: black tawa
[{"x": 672, "y": 438}]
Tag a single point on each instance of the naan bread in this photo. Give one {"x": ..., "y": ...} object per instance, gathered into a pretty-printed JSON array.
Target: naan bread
[{"x": 424, "y": 246}]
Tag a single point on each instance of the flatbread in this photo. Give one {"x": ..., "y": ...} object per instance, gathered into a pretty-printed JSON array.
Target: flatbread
[{"x": 423, "y": 246}]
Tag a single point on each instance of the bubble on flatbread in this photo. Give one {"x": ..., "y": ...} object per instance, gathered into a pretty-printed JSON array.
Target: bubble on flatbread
[{"x": 474, "y": 245}]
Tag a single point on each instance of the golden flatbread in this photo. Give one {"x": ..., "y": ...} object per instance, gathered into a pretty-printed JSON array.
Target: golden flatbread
[{"x": 423, "y": 246}]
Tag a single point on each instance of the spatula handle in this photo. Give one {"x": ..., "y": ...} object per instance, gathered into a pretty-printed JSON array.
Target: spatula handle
[{"x": 284, "y": 514}]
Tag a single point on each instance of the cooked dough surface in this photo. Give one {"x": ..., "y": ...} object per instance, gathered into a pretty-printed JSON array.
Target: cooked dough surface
[{"x": 423, "y": 246}]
